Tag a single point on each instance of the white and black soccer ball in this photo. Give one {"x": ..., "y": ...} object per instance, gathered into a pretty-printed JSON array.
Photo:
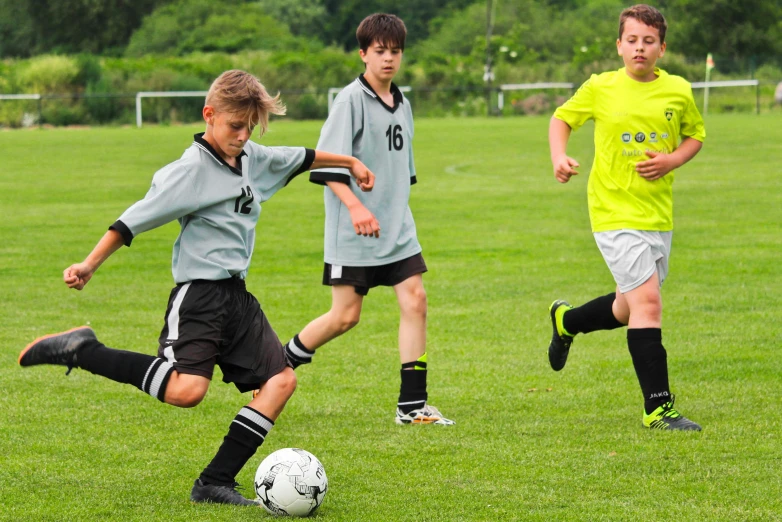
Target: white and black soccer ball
[{"x": 291, "y": 481}]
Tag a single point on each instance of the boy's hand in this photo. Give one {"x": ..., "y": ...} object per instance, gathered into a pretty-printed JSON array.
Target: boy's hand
[
  {"x": 364, "y": 177},
  {"x": 364, "y": 221},
  {"x": 658, "y": 166},
  {"x": 564, "y": 168},
  {"x": 78, "y": 275}
]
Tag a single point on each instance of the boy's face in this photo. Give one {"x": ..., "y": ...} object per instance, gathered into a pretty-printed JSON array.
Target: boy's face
[
  {"x": 226, "y": 132},
  {"x": 640, "y": 47},
  {"x": 382, "y": 61}
]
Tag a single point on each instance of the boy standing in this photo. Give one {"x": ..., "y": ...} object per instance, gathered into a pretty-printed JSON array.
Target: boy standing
[
  {"x": 372, "y": 120},
  {"x": 641, "y": 113},
  {"x": 215, "y": 192}
]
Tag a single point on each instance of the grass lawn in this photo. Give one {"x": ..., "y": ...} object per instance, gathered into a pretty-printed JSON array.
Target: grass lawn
[{"x": 502, "y": 240}]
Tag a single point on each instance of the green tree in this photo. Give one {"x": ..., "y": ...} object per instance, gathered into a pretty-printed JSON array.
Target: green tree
[
  {"x": 73, "y": 26},
  {"x": 186, "y": 26},
  {"x": 345, "y": 15},
  {"x": 732, "y": 28}
]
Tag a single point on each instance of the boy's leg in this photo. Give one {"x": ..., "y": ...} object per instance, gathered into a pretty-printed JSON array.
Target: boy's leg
[
  {"x": 247, "y": 432},
  {"x": 411, "y": 406},
  {"x": 344, "y": 314},
  {"x": 644, "y": 340},
  {"x": 79, "y": 348},
  {"x": 602, "y": 313}
]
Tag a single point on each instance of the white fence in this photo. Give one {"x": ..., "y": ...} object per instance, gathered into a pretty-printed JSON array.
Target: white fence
[
  {"x": 332, "y": 92},
  {"x": 163, "y": 94}
]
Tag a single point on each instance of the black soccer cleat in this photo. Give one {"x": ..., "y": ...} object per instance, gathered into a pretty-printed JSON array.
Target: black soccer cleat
[
  {"x": 60, "y": 348},
  {"x": 219, "y": 494},
  {"x": 559, "y": 348}
]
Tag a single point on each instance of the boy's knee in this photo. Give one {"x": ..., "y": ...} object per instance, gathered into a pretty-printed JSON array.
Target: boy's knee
[
  {"x": 415, "y": 302},
  {"x": 184, "y": 397},
  {"x": 345, "y": 320},
  {"x": 285, "y": 382}
]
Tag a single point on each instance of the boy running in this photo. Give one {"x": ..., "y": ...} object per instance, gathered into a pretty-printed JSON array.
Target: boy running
[
  {"x": 371, "y": 120},
  {"x": 646, "y": 125},
  {"x": 215, "y": 191}
]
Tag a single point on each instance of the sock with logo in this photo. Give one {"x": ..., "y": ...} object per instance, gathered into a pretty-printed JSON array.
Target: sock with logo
[{"x": 651, "y": 365}]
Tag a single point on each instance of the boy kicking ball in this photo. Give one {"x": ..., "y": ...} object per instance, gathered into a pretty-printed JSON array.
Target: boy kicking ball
[
  {"x": 215, "y": 191},
  {"x": 646, "y": 125}
]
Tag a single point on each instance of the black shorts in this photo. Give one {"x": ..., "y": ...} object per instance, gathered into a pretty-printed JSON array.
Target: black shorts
[
  {"x": 220, "y": 322},
  {"x": 362, "y": 278}
]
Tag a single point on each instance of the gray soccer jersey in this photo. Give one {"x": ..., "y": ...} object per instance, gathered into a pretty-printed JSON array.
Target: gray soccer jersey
[
  {"x": 217, "y": 205},
  {"x": 360, "y": 124}
]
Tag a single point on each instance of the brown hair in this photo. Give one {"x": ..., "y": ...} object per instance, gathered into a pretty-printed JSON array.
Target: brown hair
[
  {"x": 386, "y": 29},
  {"x": 645, "y": 14},
  {"x": 238, "y": 91}
]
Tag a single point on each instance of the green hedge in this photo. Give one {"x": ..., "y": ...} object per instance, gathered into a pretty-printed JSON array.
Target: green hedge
[{"x": 84, "y": 89}]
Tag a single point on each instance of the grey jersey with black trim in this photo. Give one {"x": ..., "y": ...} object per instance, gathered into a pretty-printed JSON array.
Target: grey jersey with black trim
[
  {"x": 217, "y": 205},
  {"x": 360, "y": 124}
]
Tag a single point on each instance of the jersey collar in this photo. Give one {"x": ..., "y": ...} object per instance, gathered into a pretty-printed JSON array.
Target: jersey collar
[
  {"x": 397, "y": 94},
  {"x": 199, "y": 140}
]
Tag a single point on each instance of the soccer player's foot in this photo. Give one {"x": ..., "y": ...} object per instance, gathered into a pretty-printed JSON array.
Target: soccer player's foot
[
  {"x": 559, "y": 347},
  {"x": 204, "y": 492},
  {"x": 666, "y": 417},
  {"x": 426, "y": 415},
  {"x": 60, "y": 348}
]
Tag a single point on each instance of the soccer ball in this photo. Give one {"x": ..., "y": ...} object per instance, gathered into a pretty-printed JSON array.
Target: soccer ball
[{"x": 291, "y": 481}]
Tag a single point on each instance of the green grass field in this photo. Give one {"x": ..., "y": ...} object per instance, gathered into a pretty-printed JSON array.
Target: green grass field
[{"x": 502, "y": 240}]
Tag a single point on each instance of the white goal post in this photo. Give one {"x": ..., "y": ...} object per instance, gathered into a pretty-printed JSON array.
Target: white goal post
[
  {"x": 163, "y": 94},
  {"x": 333, "y": 91},
  {"x": 727, "y": 83}
]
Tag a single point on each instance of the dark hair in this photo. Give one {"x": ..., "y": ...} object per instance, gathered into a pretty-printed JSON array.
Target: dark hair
[
  {"x": 645, "y": 14},
  {"x": 386, "y": 29}
]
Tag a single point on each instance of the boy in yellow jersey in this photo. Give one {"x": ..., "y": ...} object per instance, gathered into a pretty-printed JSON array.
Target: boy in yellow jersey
[{"x": 646, "y": 125}]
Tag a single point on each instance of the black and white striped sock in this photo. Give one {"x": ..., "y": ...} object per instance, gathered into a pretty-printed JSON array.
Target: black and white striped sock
[
  {"x": 147, "y": 373},
  {"x": 296, "y": 353},
  {"x": 246, "y": 433},
  {"x": 156, "y": 378}
]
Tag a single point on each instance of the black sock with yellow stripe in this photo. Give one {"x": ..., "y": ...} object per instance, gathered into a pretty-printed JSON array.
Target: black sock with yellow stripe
[{"x": 412, "y": 392}]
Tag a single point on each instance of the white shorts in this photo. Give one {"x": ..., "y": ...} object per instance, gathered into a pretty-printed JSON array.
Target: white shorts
[{"x": 633, "y": 256}]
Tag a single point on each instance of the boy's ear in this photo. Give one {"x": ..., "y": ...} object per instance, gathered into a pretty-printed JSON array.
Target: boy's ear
[{"x": 208, "y": 113}]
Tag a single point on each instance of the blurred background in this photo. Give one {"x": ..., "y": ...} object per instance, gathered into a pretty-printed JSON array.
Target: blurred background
[{"x": 83, "y": 62}]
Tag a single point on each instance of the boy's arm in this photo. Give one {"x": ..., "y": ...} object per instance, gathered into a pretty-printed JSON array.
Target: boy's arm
[
  {"x": 78, "y": 275},
  {"x": 364, "y": 221},
  {"x": 558, "y": 135},
  {"x": 364, "y": 177},
  {"x": 661, "y": 164}
]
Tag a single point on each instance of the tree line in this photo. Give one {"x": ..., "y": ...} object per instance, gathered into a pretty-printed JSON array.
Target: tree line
[
  {"x": 540, "y": 29},
  {"x": 88, "y": 58}
]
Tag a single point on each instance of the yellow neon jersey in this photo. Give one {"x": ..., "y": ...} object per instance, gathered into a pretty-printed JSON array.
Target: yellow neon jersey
[{"x": 632, "y": 117}]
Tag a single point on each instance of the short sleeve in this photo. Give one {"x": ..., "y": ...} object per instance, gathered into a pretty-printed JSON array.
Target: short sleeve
[
  {"x": 171, "y": 196},
  {"x": 274, "y": 167},
  {"x": 692, "y": 121},
  {"x": 336, "y": 137},
  {"x": 579, "y": 108}
]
